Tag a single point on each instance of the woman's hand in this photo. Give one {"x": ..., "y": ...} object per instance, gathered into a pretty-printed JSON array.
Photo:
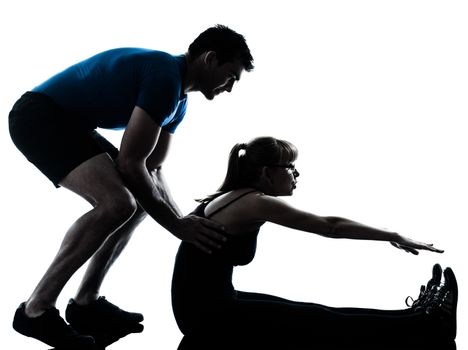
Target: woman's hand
[{"x": 411, "y": 246}]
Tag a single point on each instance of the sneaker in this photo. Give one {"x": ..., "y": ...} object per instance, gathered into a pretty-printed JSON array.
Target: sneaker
[
  {"x": 51, "y": 329},
  {"x": 426, "y": 292},
  {"x": 444, "y": 303},
  {"x": 103, "y": 320}
]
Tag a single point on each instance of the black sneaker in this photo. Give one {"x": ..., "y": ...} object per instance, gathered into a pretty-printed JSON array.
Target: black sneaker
[
  {"x": 444, "y": 303},
  {"x": 105, "y": 321},
  {"x": 51, "y": 329},
  {"x": 427, "y": 291}
]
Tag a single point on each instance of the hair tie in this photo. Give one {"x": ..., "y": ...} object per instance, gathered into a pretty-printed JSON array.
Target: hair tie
[{"x": 242, "y": 150}]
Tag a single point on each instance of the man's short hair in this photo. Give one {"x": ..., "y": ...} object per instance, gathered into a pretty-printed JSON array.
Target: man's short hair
[{"x": 227, "y": 44}]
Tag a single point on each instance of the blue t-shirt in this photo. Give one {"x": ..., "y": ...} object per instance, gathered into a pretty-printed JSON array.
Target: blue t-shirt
[{"x": 102, "y": 91}]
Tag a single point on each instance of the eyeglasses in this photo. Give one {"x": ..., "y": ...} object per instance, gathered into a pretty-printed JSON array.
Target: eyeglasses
[{"x": 290, "y": 168}]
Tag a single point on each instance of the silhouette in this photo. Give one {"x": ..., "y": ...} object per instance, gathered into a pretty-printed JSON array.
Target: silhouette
[
  {"x": 212, "y": 314},
  {"x": 145, "y": 92}
]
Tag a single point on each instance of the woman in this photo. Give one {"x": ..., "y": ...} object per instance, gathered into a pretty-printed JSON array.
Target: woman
[{"x": 207, "y": 306}]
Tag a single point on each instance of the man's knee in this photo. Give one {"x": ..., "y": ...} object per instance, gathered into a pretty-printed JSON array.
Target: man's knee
[
  {"x": 139, "y": 214},
  {"x": 120, "y": 207}
]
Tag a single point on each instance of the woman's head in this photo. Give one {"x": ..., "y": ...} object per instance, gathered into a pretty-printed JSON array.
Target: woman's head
[{"x": 265, "y": 163}]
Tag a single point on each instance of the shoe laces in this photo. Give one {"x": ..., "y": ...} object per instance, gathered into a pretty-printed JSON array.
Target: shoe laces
[
  {"x": 425, "y": 297},
  {"x": 441, "y": 300},
  {"x": 104, "y": 304}
]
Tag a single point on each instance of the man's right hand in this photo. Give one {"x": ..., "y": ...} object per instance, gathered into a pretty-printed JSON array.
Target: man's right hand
[{"x": 203, "y": 233}]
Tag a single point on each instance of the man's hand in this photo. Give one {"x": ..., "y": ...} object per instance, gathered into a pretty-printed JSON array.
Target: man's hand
[{"x": 203, "y": 233}]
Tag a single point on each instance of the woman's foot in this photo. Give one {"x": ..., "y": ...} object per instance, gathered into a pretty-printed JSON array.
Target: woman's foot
[
  {"x": 443, "y": 304},
  {"x": 427, "y": 291}
]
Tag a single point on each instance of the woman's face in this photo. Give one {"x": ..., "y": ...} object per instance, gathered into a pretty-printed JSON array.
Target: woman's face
[{"x": 283, "y": 179}]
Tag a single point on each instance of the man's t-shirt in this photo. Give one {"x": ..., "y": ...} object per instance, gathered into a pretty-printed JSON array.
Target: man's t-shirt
[{"x": 102, "y": 91}]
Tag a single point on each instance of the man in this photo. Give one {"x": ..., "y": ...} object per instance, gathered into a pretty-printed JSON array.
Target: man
[{"x": 143, "y": 91}]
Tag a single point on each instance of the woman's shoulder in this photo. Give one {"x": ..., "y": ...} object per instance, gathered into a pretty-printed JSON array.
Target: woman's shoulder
[{"x": 242, "y": 195}]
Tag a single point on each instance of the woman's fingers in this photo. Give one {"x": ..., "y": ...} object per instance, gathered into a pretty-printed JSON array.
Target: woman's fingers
[
  {"x": 431, "y": 248},
  {"x": 411, "y": 250}
]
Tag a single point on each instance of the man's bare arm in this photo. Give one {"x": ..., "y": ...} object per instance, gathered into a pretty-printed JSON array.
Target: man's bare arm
[
  {"x": 154, "y": 164},
  {"x": 139, "y": 142}
]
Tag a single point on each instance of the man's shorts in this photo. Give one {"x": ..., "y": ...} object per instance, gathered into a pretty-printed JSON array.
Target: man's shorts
[{"x": 51, "y": 139}]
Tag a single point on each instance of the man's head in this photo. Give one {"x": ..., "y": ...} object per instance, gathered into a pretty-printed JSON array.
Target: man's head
[
  {"x": 226, "y": 43},
  {"x": 219, "y": 56}
]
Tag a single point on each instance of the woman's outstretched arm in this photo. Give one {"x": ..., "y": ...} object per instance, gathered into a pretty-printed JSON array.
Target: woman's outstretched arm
[{"x": 272, "y": 209}]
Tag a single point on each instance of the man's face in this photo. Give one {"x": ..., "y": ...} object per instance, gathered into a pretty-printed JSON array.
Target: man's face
[{"x": 219, "y": 78}]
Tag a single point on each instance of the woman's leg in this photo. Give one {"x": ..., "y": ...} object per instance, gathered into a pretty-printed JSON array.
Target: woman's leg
[
  {"x": 342, "y": 310},
  {"x": 265, "y": 314}
]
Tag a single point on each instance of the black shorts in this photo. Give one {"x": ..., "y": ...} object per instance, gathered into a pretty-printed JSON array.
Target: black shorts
[{"x": 51, "y": 139}]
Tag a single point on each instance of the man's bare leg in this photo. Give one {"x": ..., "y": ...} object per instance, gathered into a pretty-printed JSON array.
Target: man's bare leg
[
  {"x": 98, "y": 181},
  {"x": 105, "y": 257},
  {"x": 90, "y": 314}
]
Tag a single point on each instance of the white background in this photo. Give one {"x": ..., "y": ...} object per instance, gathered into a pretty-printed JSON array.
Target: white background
[{"x": 373, "y": 93}]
